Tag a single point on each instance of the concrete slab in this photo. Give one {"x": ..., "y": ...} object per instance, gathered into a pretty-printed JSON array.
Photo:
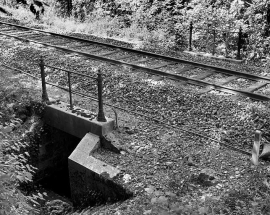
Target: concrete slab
[
  {"x": 88, "y": 144},
  {"x": 60, "y": 117},
  {"x": 92, "y": 164},
  {"x": 91, "y": 180}
]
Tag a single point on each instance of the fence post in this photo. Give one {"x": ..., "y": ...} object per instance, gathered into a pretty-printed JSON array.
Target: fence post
[
  {"x": 43, "y": 82},
  {"x": 226, "y": 43},
  {"x": 190, "y": 36},
  {"x": 238, "y": 57},
  {"x": 69, "y": 7},
  {"x": 101, "y": 117},
  {"x": 214, "y": 41},
  {"x": 70, "y": 92}
]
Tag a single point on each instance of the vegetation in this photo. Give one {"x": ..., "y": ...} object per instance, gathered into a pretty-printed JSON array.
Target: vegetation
[{"x": 18, "y": 113}]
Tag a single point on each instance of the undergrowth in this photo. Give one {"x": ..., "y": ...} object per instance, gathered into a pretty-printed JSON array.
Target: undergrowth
[{"x": 18, "y": 113}]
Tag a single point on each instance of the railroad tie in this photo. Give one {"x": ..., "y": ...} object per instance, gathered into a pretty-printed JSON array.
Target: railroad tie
[
  {"x": 109, "y": 53},
  {"x": 255, "y": 86},
  {"x": 13, "y": 32},
  {"x": 46, "y": 39},
  {"x": 225, "y": 81},
  {"x": 162, "y": 65},
  {"x": 59, "y": 43},
  {"x": 5, "y": 31},
  {"x": 123, "y": 57},
  {"x": 27, "y": 34},
  {"x": 204, "y": 75},
  {"x": 95, "y": 50},
  {"x": 140, "y": 61},
  {"x": 80, "y": 45},
  {"x": 186, "y": 68},
  {"x": 34, "y": 37}
]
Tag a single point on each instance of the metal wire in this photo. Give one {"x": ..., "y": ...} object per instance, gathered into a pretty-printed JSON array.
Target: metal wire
[
  {"x": 65, "y": 70},
  {"x": 142, "y": 115}
]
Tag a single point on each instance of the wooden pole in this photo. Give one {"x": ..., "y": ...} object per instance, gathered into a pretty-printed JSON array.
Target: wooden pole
[
  {"x": 239, "y": 44},
  {"x": 190, "y": 36}
]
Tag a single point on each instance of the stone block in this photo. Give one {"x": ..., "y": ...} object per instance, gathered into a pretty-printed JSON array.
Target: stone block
[
  {"x": 60, "y": 117},
  {"x": 88, "y": 144}
]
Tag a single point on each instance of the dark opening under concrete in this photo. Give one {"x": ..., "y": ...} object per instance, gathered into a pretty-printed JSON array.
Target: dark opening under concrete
[
  {"x": 54, "y": 148},
  {"x": 58, "y": 183}
]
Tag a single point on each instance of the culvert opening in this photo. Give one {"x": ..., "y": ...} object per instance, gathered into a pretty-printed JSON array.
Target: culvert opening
[
  {"x": 58, "y": 182},
  {"x": 54, "y": 148}
]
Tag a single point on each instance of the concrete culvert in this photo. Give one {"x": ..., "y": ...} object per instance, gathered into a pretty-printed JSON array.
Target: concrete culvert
[{"x": 61, "y": 148}]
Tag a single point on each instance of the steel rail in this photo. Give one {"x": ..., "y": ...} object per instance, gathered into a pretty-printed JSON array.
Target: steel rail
[
  {"x": 156, "y": 72},
  {"x": 164, "y": 57}
]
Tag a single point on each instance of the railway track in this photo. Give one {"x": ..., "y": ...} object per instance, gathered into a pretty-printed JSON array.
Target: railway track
[{"x": 207, "y": 76}]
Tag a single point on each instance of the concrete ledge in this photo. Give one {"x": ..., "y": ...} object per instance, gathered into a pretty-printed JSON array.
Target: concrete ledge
[
  {"x": 203, "y": 54},
  {"x": 91, "y": 180},
  {"x": 92, "y": 164},
  {"x": 87, "y": 145},
  {"x": 60, "y": 117}
]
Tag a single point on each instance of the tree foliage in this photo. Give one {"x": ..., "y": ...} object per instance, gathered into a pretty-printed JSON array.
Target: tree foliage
[{"x": 172, "y": 17}]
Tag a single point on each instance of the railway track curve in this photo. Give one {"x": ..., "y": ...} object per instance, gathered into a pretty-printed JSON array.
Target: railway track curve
[{"x": 207, "y": 76}]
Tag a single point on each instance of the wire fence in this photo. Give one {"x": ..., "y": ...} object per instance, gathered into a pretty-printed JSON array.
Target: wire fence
[
  {"x": 161, "y": 123},
  {"x": 70, "y": 74}
]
